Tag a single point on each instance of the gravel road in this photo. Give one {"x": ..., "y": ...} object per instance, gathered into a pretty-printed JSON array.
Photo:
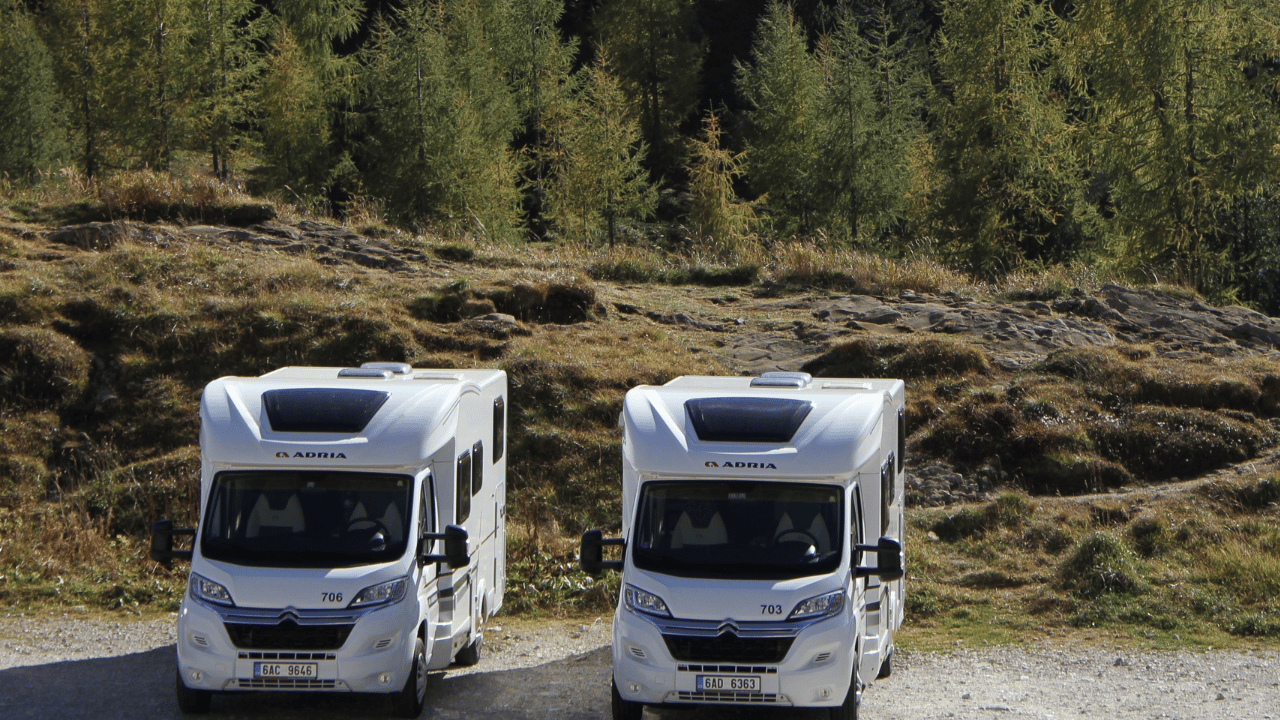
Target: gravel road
[{"x": 70, "y": 669}]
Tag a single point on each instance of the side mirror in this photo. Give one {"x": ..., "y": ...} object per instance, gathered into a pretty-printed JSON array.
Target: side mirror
[
  {"x": 889, "y": 561},
  {"x": 591, "y": 553},
  {"x": 162, "y": 532},
  {"x": 455, "y": 547}
]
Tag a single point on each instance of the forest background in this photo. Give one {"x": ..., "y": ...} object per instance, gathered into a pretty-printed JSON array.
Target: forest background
[{"x": 1139, "y": 136}]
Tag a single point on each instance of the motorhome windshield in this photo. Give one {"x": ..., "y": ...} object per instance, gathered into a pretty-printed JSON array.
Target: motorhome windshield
[
  {"x": 306, "y": 519},
  {"x": 738, "y": 529}
]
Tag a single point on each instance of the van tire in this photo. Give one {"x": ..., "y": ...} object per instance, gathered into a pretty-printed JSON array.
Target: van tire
[
  {"x": 848, "y": 710},
  {"x": 195, "y": 702},
  {"x": 409, "y": 701},
  {"x": 886, "y": 667},
  {"x": 624, "y": 709},
  {"x": 470, "y": 654}
]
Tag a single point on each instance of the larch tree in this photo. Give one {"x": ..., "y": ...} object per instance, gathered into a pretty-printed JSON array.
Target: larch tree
[
  {"x": 781, "y": 90},
  {"x": 1003, "y": 142},
  {"x": 599, "y": 176},
  {"x": 1183, "y": 119},
  {"x": 721, "y": 221},
  {"x": 222, "y": 64},
  {"x": 306, "y": 94},
  {"x": 657, "y": 57},
  {"x": 442, "y": 119},
  {"x": 31, "y": 110}
]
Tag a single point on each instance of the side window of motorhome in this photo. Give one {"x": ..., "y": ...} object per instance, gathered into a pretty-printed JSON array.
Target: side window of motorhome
[
  {"x": 902, "y": 438},
  {"x": 499, "y": 427},
  {"x": 855, "y": 526},
  {"x": 426, "y": 516},
  {"x": 886, "y": 494},
  {"x": 477, "y": 465},
  {"x": 463, "y": 495}
]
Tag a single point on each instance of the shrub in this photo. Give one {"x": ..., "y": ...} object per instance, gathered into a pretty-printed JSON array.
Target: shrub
[
  {"x": 40, "y": 367},
  {"x": 1101, "y": 565}
]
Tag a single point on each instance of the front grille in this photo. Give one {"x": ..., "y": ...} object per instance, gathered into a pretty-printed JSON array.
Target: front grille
[
  {"x": 729, "y": 648},
  {"x": 288, "y": 635},
  {"x": 727, "y": 697},
  {"x": 286, "y": 656},
  {"x": 286, "y": 684}
]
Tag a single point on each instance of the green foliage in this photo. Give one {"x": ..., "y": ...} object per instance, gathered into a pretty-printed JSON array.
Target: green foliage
[
  {"x": 1182, "y": 118},
  {"x": 721, "y": 222},
  {"x": 306, "y": 88},
  {"x": 658, "y": 64},
  {"x": 31, "y": 113},
  {"x": 870, "y": 102},
  {"x": 780, "y": 89},
  {"x": 597, "y": 174},
  {"x": 1102, "y": 564},
  {"x": 1004, "y": 147},
  {"x": 442, "y": 120},
  {"x": 222, "y": 66}
]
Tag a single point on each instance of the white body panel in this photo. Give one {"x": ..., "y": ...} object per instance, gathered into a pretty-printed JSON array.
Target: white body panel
[
  {"x": 429, "y": 419},
  {"x": 849, "y": 439}
]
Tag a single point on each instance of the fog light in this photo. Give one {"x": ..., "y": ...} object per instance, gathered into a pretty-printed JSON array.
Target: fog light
[
  {"x": 634, "y": 688},
  {"x": 385, "y": 678},
  {"x": 195, "y": 675}
]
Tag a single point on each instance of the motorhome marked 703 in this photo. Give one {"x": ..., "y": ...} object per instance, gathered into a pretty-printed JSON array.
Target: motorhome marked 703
[
  {"x": 325, "y": 496},
  {"x": 750, "y": 509}
]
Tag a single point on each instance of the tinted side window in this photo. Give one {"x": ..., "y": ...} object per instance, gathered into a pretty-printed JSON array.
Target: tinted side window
[
  {"x": 902, "y": 438},
  {"x": 499, "y": 428},
  {"x": 463, "y": 495},
  {"x": 886, "y": 490},
  {"x": 426, "y": 514},
  {"x": 477, "y": 467}
]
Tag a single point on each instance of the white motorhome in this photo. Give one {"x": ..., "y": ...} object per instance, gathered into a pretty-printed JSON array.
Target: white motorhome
[
  {"x": 750, "y": 507},
  {"x": 324, "y": 496}
]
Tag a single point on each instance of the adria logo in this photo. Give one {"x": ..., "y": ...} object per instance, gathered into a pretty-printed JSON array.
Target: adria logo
[
  {"x": 747, "y": 465},
  {"x": 313, "y": 455}
]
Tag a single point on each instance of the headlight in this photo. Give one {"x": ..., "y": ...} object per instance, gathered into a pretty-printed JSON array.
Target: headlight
[
  {"x": 644, "y": 602},
  {"x": 384, "y": 594},
  {"x": 819, "y": 607},
  {"x": 202, "y": 588}
]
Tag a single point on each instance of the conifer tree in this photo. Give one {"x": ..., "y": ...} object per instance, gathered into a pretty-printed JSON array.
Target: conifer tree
[
  {"x": 1183, "y": 117},
  {"x": 222, "y": 63},
  {"x": 781, "y": 90},
  {"x": 442, "y": 119},
  {"x": 30, "y": 106},
  {"x": 1004, "y": 145},
  {"x": 308, "y": 89},
  {"x": 658, "y": 63},
  {"x": 76, "y": 33},
  {"x": 598, "y": 178},
  {"x": 721, "y": 221}
]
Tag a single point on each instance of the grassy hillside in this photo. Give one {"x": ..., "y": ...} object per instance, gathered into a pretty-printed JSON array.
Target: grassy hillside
[{"x": 108, "y": 334}]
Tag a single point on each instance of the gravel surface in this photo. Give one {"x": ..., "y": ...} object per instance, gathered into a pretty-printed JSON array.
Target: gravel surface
[{"x": 93, "y": 668}]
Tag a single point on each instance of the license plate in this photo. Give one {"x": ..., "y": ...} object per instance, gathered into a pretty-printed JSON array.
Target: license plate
[
  {"x": 285, "y": 670},
  {"x": 729, "y": 683}
]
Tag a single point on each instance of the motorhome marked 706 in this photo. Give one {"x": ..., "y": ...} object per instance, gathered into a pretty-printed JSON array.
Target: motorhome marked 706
[
  {"x": 325, "y": 495},
  {"x": 750, "y": 510}
]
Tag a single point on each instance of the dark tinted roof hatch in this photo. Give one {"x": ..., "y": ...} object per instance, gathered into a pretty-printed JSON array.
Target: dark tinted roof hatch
[
  {"x": 747, "y": 419},
  {"x": 331, "y": 410}
]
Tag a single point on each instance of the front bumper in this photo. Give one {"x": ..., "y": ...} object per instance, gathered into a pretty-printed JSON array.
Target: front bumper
[
  {"x": 376, "y": 656},
  {"x": 816, "y": 670}
]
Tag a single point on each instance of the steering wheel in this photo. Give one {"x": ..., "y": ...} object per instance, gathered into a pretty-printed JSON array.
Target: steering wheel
[
  {"x": 797, "y": 531},
  {"x": 375, "y": 526}
]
